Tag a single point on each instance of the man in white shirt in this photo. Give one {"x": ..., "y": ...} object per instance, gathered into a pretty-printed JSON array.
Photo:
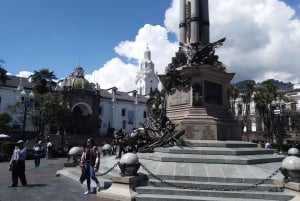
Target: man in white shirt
[
  {"x": 17, "y": 164},
  {"x": 49, "y": 148}
]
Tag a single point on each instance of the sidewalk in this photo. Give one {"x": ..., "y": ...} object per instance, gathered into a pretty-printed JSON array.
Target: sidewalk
[{"x": 44, "y": 184}]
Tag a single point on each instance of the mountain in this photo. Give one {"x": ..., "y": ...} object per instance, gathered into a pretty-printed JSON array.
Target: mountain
[{"x": 280, "y": 85}]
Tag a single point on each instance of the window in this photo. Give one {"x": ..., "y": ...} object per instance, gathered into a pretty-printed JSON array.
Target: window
[
  {"x": 100, "y": 110},
  {"x": 123, "y": 112},
  {"x": 145, "y": 114}
]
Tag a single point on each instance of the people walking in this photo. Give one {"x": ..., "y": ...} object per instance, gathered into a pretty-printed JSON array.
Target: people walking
[
  {"x": 90, "y": 161},
  {"x": 17, "y": 164},
  {"x": 49, "y": 148},
  {"x": 37, "y": 152},
  {"x": 268, "y": 145}
]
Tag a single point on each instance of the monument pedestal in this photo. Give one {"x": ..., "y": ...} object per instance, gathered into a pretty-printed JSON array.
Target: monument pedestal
[
  {"x": 200, "y": 104},
  {"x": 122, "y": 188}
]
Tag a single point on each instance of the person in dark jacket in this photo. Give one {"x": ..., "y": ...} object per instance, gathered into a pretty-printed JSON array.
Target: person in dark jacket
[{"x": 17, "y": 164}]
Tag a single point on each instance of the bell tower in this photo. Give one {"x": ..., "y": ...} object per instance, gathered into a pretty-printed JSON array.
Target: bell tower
[{"x": 146, "y": 79}]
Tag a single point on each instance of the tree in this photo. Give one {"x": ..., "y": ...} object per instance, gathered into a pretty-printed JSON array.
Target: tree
[
  {"x": 3, "y": 75},
  {"x": 233, "y": 93},
  {"x": 263, "y": 99},
  {"x": 52, "y": 112},
  {"x": 5, "y": 118},
  {"x": 43, "y": 81},
  {"x": 246, "y": 99}
]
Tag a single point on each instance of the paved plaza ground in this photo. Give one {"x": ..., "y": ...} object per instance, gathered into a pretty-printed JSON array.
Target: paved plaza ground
[{"x": 43, "y": 185}]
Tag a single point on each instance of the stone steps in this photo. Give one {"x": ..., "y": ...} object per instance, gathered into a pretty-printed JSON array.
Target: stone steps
[
  {"x": 214, "y": 143},
  {"x": 159, "y": 193},
  {"x": 210, "y": 151},
  {"x": 197, "y": 185},
  {"x": 214, "y": 159},
  {"x": 209, "y": 170},
  {"x": 153, "y": 197},
  {"x": 214, "y": 150}
]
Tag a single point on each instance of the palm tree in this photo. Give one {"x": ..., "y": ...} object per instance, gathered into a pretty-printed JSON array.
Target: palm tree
[
  {"x": 41, "y": 79},
  {"x": 233, "y": 93},
  {"x": 263, "y": 99},
  {"x": 3, "y": 76},
  {"x": 246, "y": 99}
]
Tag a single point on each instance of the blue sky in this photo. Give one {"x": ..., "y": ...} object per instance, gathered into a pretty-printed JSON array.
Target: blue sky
[
  {"x": 58, "y": 34},
  {"x": 107, "y": 38}
]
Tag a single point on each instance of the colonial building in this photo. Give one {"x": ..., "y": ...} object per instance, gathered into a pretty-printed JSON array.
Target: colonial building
[
  {"x": 97, "y": 111},
  {"x": 16, "y": 89},
  {"x": 255, "y": 128}
]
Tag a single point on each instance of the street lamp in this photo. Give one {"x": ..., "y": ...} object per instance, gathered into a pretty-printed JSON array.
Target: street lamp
[
  {"x": 27, "y": 100},
  {"x": 278, "y": 111}
]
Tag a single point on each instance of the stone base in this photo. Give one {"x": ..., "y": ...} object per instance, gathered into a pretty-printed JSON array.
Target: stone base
[
  {"x": 196, "y": 129},
  {"x": 293, "y": 186},
  {"x": 122, "y": 188},
  {"x": 200, "y": 105}
]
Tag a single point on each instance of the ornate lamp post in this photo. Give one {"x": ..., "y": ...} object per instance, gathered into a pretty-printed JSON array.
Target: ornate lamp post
[
  {"x": 278, "y": 111},
  {"x": 27, "y": 101}
]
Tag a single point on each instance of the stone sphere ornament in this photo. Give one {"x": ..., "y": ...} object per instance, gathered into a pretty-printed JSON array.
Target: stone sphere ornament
[
  {"x": 129, "y": 164},
  {"x": 106, "y": 149},
  {"x": 290, "y": 167},
  {"x": 293, "y": 152}
]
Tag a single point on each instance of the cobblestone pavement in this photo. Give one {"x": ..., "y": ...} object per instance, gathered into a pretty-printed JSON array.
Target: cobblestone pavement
[{"x": 43, "y": 185}]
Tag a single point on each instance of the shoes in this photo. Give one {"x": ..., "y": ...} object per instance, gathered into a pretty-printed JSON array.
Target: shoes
[{"x": 87, "y": 192}]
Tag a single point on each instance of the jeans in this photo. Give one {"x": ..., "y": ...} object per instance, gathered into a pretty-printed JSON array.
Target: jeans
[{"x": 91, "y": 175}]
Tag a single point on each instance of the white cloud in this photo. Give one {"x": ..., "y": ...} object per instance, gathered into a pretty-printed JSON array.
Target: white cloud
[
  {"x": 122, "y": 74},
  {"x": 262, "y": 42},
  {"x": 263, "y": 38},
  {"x": 24, "y": 74}
]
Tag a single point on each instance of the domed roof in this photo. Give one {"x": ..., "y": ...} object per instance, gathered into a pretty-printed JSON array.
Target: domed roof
[{"x": 76, "y": 80}]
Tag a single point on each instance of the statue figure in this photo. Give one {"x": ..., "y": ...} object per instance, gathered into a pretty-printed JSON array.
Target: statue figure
[{"x": 200, "y": 55}]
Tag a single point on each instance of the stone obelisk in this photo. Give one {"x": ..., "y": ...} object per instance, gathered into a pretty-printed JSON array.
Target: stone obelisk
[{"x": 196, "y": 82}]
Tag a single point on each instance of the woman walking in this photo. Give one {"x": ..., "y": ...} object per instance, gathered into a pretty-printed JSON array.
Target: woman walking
[{"x": 90, "y": 161}]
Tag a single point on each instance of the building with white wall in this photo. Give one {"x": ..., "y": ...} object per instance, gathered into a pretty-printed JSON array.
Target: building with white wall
[{"x": 12, "y": 92}]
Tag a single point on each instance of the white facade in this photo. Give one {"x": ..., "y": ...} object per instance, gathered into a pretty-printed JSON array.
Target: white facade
[
  {"x": 10, "y": 94},
  {"x": 254, "y": 123},
  {"x": 120, "y": 110},
  {"x": 146, "y": 79}
]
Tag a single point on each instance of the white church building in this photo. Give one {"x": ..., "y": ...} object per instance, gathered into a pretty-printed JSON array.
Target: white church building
[{"x": 116, "y": 109}]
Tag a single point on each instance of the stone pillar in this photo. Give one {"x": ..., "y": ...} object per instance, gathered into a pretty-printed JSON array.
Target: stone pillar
[
  {"x": 195, "y": 21},
  {"x": 182, "y": 22},
  {"x": 204, "y": 15}
]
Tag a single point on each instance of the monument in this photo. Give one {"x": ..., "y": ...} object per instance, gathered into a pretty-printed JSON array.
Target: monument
[{"x": 196, "y": 82}]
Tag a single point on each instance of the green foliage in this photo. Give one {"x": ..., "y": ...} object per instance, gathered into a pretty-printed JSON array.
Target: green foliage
[
  {"x": 7, "y": 147},
  {"x": 3, "y": 75},
  {"x": 5, "y": 118},
  {"x": 43, "y": 81},
  {"x": 233, "y": 93},
  {"x": 51, "y": 110}
]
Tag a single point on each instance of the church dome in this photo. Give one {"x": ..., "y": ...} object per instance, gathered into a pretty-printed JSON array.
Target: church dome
[{"x": 76, "y": 80}]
